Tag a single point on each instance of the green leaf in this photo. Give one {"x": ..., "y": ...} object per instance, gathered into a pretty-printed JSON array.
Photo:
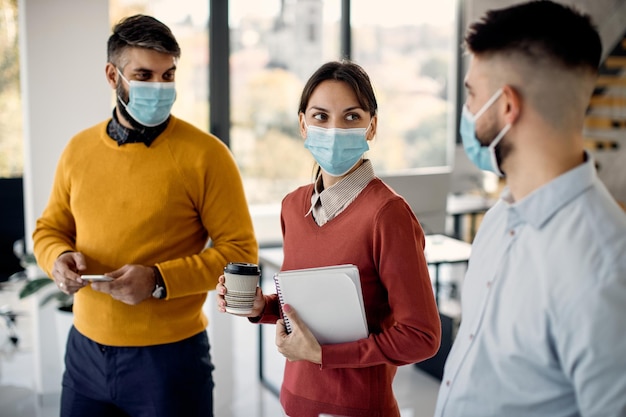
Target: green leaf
[
  {"x": 63, "y": 300},
  {"x": 33, "y": 286}
]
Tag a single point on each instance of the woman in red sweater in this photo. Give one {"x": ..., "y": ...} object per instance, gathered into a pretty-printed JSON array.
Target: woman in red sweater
[{"x": 349, "y": 216}]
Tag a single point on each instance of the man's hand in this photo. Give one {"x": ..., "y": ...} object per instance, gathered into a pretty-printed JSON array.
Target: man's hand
[
  {"x": 131, "y": 284},
  {"x": 300, "y": 344},
  {"x": 66, "y": 272}
]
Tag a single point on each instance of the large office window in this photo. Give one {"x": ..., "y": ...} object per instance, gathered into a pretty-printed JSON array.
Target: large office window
[
  {"x": 407, "y": 47},
  {"x": 11, "y": 143},
  {"x": 273, "y": 46}
]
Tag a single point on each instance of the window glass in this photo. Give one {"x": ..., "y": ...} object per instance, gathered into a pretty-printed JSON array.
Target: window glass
[
  {"x": 275, "y": 46},
  {"x": 407, "y": 47},
  {"x": 11, "y": 140}
]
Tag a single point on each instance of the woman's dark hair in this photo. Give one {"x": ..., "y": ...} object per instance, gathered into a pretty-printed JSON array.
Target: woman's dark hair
[{"x": 348, "y": 72}]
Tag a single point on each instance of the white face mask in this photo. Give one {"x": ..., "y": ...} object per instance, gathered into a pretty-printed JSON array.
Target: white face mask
[
  {"x": 483, "y": 156},
  {"x": 149, "y": 103},
  {"x": 336, "y": 150}
]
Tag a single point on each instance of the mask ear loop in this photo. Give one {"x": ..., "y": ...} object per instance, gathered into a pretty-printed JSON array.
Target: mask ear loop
[
  {"x": 306, "y": 125},
  {"x": 488, "y": 104},
  {"x": 122, "y": 75},
  {"x": 492, "y": 150},
  {"x": 368, "y": 127},
  {"x": 127, "y": 83}
]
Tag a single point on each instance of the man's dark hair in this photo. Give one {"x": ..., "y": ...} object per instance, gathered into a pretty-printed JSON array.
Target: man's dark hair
[
  {"x": 141, "y": 31},
  {"x": 538, "y": 29}
]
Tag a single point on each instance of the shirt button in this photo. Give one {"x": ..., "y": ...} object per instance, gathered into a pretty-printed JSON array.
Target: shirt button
[
  {"x": 448, "y": 383},
  {"x": 471, "y": 336},
  {"x": 488, "y": 284},
  {"x": 512, "y": 232}
]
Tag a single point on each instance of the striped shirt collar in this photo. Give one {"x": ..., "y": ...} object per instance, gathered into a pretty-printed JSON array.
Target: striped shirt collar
[{"x": 327, "y": 203}]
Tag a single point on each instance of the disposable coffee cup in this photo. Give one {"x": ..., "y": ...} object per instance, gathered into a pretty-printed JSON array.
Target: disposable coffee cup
[{"x": 241, "y": 280}]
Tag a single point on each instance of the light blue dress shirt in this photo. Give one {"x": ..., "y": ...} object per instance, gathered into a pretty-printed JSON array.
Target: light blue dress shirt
[{"x": 543, "y": 330}]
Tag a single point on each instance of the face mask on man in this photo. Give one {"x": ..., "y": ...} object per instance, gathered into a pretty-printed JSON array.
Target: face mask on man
[
  {"x": 483, "y": 156},
  {"x": 149, "y": 103},
  {"x": 336, "y": 150}
]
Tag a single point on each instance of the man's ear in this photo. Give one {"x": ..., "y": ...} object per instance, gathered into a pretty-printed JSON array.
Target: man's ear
[
  {"x": 302, "y": 125},
  {"x": 111, "y": 75},
  {"x": 513, "y": 104}
]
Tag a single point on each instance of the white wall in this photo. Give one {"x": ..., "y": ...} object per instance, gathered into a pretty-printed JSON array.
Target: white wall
[{"x": 64, "y": 90}]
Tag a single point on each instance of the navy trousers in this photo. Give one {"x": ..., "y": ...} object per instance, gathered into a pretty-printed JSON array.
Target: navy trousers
[{"x": 169, "y": 380}]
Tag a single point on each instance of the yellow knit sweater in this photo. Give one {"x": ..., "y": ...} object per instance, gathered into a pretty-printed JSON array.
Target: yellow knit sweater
[{"x": 156, "y": 205}]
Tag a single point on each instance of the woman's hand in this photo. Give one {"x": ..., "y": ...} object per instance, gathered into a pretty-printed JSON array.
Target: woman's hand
[
  {"x": 257, "y": 307},
  {"x": 300, "y": 344}
]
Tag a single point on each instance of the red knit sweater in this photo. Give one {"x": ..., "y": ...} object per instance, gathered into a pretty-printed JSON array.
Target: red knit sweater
[{"x": 379, "y": 233}]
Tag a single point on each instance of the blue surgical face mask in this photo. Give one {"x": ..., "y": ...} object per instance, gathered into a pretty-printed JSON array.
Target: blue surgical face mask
[
  {"x": 149, "y": 103},
  {"x": 483, "y": 156},
  {"x": 336, "y": 150}
]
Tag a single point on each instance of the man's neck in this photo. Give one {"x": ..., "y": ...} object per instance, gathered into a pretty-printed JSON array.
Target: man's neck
[
  {"x": 528, "y": 171},
  {"x": 122, "y": 120}
]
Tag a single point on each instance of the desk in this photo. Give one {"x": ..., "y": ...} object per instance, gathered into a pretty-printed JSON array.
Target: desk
[
  {"x": 442, "y": 249},
  {"x": 439, "y": 250},
  {"x": 459, "y": 205}
]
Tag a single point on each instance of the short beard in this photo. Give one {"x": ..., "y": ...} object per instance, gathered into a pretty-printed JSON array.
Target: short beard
[{"x": 122, "y": 98}]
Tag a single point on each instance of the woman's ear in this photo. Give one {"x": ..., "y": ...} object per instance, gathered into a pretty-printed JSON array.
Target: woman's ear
[
  {"x": 111, "y": 75},
  {"x": 302, "y": 121},
  {"x": 513, "y": 102},
  {"x": 371, "y": 132}
]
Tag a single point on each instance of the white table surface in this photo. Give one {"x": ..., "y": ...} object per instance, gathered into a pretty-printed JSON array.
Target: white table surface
[{"x": 439, "y": 249}]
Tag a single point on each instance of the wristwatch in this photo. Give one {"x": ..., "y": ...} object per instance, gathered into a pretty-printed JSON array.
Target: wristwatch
[{"x": 159, "y": 291}]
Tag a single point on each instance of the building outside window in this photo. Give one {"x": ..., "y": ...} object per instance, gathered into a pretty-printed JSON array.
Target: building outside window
[
  {"x": 11, "y": 143},
  {"x": 275, "y": 45}
]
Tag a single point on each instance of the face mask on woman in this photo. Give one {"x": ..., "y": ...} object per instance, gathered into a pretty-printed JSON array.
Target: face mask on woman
[
  {"x": 336, "y": 150},
  {"x": 149, "y": 103}
]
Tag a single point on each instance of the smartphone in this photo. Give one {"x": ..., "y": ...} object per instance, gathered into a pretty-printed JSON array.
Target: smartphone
[{"x": 96, "y": 278}]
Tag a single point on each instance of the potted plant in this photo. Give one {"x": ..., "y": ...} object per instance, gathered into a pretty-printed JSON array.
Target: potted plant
[
  {"x": 64, "y": 301},
  {"x": 38, "y": 283}
]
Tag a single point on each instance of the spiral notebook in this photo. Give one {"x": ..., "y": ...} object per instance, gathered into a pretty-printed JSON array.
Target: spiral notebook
[{"x": 328, "y": 299}]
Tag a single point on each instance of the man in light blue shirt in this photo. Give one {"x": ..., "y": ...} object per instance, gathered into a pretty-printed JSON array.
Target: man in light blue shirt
[{"x": 543, "y": 330}]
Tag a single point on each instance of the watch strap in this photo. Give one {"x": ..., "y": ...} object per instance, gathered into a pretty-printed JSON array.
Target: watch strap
[{"x": 159, "y": 291}]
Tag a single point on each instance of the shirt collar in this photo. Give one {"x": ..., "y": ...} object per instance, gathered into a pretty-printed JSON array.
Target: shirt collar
[
  {"x": 330, "y": 201},
  {"x": 123, "y": 135},
  {"x": 540, "y": 205}
]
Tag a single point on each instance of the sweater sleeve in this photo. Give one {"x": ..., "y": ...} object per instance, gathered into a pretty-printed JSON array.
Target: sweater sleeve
[
  {"x": 413, "y": 332},
  {"x": 271, "y": 313},
  {"x": 55, "y": 229},
  {"x": 216, "y": 187}
]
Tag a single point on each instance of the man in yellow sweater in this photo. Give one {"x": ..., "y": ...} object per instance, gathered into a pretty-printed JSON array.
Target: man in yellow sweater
[{"x": 158, "y": 205}]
